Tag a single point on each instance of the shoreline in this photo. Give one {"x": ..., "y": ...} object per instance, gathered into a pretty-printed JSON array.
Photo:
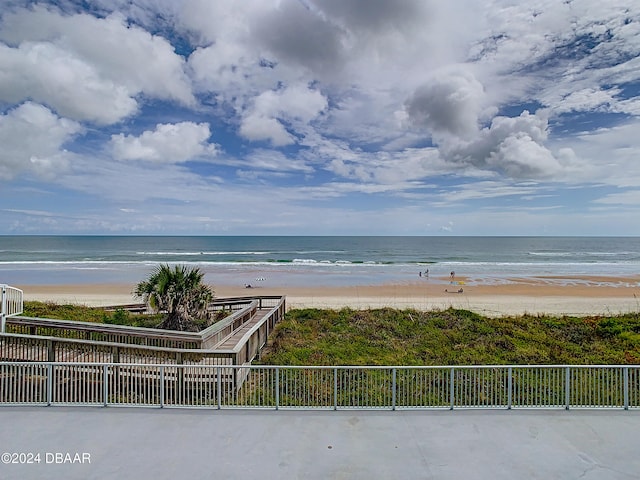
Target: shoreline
[{"x": 576, "y": 296}]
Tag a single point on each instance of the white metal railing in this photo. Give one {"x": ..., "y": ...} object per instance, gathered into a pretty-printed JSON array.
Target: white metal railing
[
  {"x": 11, "y": 303},
  {"x": 332, "y": 387}
]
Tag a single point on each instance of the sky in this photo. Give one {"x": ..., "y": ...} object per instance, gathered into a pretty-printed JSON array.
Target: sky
[{"x": 320, "y": 117}]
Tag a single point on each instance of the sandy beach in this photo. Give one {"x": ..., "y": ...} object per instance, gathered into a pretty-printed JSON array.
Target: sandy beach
[{"x": 551, "y": 295}]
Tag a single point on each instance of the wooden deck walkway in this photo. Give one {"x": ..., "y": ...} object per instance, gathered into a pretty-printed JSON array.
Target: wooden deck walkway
[
  {"x": 60, "y": 349},
  {"x": 230, "y": 342},
  {"x": 38, "y": 353}
]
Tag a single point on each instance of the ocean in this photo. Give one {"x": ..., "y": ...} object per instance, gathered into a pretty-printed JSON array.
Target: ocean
[{"x": 313, "y": 261}]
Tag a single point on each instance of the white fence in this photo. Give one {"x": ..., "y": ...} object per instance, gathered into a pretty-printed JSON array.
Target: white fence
[
  {"x": 11, "y": 303},
  {"x": 332, "y": 388}
]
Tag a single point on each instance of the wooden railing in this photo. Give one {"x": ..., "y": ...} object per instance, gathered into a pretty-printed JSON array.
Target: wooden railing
[
  {"x": 43, "y": 340},
  {"x": 213, "y": 335},
  {"x": 103, "y": 332},
  {"x": 243, "y": 308},
  {"x": 56, "y": 349},
  {"x": 252, "y": 342}
]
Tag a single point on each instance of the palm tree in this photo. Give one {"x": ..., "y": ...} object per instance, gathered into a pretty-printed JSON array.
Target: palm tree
[{"x": 180, "y": 293}]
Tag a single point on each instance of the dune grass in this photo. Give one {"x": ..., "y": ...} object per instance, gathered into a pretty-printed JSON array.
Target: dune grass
[
  {"x": 410, "y": 337},
  {"x": 450, "y": 337}
]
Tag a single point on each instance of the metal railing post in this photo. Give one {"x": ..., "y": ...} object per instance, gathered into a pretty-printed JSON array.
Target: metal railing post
[
  {"x": 105, "y": 383},
  {"x": 3, "y": 310},
  {"x": 277, "y": 388},
  {"x": 509, "y": 387},
  {"x": 452, "y": 392},
  {"x": 567, "y": 388},
  {"x": 49, "y": 384},
  {"x": 161, "y": 386},
  {"x": 625, "y": 373},
  {"x": 393, "y": 389},
  {"x": 219, "y": 386},
  {"x": 179, "y": 388},
  {"x": 335, "y": 388}
]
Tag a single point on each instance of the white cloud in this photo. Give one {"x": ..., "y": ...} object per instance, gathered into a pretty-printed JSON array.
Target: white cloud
[
  {"x": 606, "y": 155},
  {"x": 168, "y": 143},
  {"x": 514, "y": 147},
  {"x": 422, "y": 103},
  {"x": 275, "y": 161},
  {"x": 449, "y": 103},
  {"x": 255, "y": 127},
  {"x": 32, "y": 138},
  {"x": 631, "y": 198},
  {"x": 50, "y": 75},
  {"x": 296, "y": 34},
  {"x": 297, "y": 105},
  {"x": 587, "y": 99},
  {"x": 87, "y": 68},
  {"x": 519, "y": 156},
  {"x": 557, "y": 52}
]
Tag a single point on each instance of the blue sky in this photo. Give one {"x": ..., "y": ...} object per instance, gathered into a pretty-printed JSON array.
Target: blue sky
[{"x": 312, "y": 117}]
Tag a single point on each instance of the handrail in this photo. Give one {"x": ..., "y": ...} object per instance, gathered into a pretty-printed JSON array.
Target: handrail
[
  {"x": 206, "y": 338},
  {"x": 51, "y": 348},
  {"x": 99, "y": 343},
  {"x": 92, "y": 326},
  {"x": 251, "y": 333},
  {"x": 321, "y": 387},
  {"x": 113, "y": 333},
  {"x": 56, "y": 349},
  {"x": 213, "y": 334},
  {"x": 11, "y": 303}
]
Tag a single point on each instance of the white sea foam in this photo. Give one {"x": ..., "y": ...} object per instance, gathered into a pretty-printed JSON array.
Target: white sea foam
[{"x": 313, "y": 260}]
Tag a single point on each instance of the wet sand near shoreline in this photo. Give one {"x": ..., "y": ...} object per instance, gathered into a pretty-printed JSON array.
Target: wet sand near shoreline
[{"x": 513, "y": 296}]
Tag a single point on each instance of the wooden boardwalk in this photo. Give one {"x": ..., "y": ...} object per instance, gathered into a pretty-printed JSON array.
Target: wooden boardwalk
[
  {"x": 231, "y": 342},
  {"x": 240, "y": 346}
]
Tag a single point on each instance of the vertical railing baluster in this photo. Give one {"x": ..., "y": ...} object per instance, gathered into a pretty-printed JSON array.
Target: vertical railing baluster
[
  {"x": 452, "y": 388},
  {"x": 105, "y": 384},
  {"x": 393, "y": 389},
  {"x": 161, "y": 386},
  {"x": 277, "y": 388},
  {"x": 335, "y": 388},
  {"x": 509, "y": 387},
  {"x": 219, "y": 386},
  {"x": 567, "y": 388},
  {"x": 49, "y": 383},
  {"x": 625, "y": 383}
]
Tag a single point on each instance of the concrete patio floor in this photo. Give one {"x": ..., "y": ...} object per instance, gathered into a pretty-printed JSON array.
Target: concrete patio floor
[{"x": 139, "y": 443}]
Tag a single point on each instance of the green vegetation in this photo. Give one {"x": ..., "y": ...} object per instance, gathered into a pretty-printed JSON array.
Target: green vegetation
[
  {"x": 450, "y": 337},
  {"x": 180, "y": 293},
  {"x": 410, "y": 337},
  {"x": 90, "y": 314}
]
